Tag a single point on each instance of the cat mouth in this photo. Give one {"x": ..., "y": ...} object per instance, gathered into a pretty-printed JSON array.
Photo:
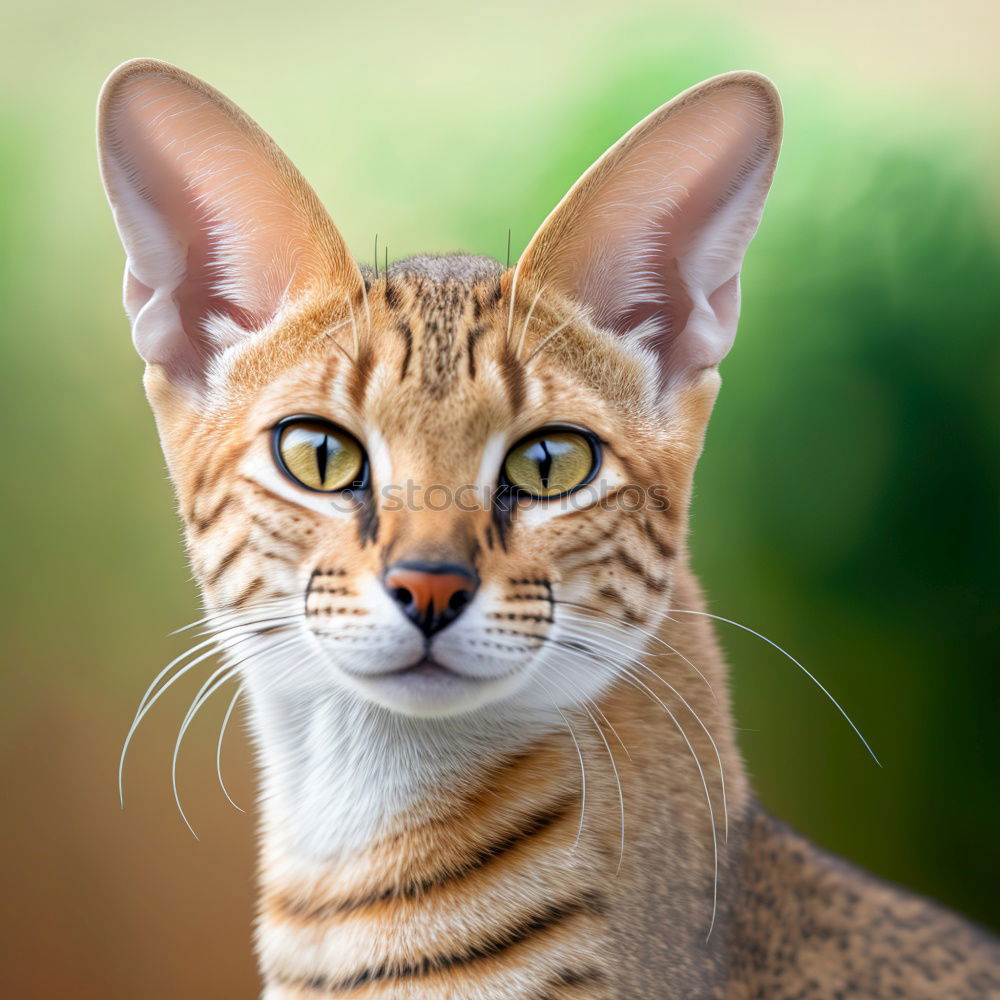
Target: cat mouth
[
  {"x": 426, "y": 687},
  {"x": 426, "y": 666}
]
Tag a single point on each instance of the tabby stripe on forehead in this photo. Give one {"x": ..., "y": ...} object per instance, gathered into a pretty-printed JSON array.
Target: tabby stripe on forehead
[
  {"x": 495, "y": 944},
  {"x": 513, "y": 376},
  {"x": 404, "y": 330},
  {"x": 360, "y": 374},
  {"x": 474, "y": 334}
]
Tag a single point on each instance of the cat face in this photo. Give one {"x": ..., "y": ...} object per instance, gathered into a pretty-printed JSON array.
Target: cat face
[
  {"x": 447, "y": 421},
  {"x": 451, "y": 485}
]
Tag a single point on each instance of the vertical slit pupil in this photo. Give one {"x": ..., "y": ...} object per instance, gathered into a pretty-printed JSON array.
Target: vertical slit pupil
[
  {"x": 544, "y": 464},
  {"x": 322, "y": 455}
]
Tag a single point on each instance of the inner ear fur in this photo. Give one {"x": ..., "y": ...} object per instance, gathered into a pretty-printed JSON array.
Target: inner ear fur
[
  {"x": 651, "y": 238},
  {"x": 219, "y": 228}
]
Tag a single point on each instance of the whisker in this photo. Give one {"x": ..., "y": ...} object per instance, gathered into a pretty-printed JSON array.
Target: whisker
[
  {"x": 220, "y": 614},
  {"x": 149, "y": 700},
  {"x": 214, "y": 636},
  {"x": 635, "y": 681},
  {"x": 708, "y": 799},
  {"x": 637, "y": 662},
  {"x": 550, "y": 336},
  {"x": 618, "y": 783},
  {"x": 785, "y": 653},
  {"x": 218, "y": 749},
  {"x": 214, "y": 682},
  {"x": 646, "y": 632},
  {"x": 711, "y": 740},
  {"x": 354, "y": 324},
  {"x": 583, "y": 770},
  {"x": 527, "y": 321},
  {"x": 513, "y": 297}
]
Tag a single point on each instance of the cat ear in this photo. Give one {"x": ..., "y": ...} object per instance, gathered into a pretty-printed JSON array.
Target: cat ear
[
  {"x": 652, "y": 236},
  {"x": 219, "y": 229}
]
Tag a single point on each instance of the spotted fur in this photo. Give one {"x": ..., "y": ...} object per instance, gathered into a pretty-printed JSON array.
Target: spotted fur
[{"x": 566, "y": 817}]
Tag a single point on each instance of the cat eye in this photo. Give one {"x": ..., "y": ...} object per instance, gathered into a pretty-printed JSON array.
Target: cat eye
[
  {"x": 319, "y": 456},
  {"x": 552, "y": 462}
]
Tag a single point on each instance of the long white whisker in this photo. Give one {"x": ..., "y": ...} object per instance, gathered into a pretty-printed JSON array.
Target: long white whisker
[
  {"x": 213, "y": 639},
  {"x": 539, "y": 347},
  {"x": 145, "y": 711},
  {"x": 708, "y": 798},
  {"x": 785, "y": 653},
  {"x": 711, "y": 740},
  {"x": 634, "y": 661},
  {"x": 220, "y": 615},
  {"x": 218, "y": 748},
  {"x": 583, "y": 770},
  {"x": 527, "y": 321},
  {"x": 214, "y": 682},
  {"x": 150, "y": 700},
  {"x": 627, "y": 675},
  {"x": 585, "y": 704},
  {"x": 646, "y": 632},
  {"x": 618, "y": 783}
]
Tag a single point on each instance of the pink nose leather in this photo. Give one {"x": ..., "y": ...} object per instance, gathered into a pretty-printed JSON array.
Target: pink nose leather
[{"x": 429, "y": 593}]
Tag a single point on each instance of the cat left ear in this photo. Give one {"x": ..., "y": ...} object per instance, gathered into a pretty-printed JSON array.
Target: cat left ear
[
  {"x": 652, "y": 236},
  {"x": 219, "y": 227}
]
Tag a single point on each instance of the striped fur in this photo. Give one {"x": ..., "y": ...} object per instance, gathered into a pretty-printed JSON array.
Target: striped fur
[{"x": 568, "y": 817}]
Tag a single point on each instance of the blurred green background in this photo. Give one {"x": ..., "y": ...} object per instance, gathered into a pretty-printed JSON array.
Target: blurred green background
[{"x": 846, "y": 505}]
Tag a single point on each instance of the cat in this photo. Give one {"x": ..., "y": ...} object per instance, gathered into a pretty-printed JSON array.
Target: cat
[{"x": 438, "y": 515}]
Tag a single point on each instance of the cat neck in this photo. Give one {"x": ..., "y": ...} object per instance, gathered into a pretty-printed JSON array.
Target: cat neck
[{"x": 456, "y": 841}]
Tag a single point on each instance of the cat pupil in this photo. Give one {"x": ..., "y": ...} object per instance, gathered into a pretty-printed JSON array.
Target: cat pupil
[
  {"x": 544, "y": 462},
  {"x": 322, "y": 455}
]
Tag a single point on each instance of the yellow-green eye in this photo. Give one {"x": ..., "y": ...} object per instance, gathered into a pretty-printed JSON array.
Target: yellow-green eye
[
  {"x": 551, "y": 463},
  {"x": 318, "y": 455}
]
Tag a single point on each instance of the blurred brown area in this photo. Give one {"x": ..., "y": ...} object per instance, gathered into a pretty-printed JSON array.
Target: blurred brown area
[{"x": 114, "y": 903}]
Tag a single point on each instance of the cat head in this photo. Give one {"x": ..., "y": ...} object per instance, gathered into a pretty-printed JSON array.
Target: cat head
[{"x": 447, "y": 485}]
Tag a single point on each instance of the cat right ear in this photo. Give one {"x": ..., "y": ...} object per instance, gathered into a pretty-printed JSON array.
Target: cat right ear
[
  {"x": 652, "y": 236},
  {"x": 219, "y": 228}
]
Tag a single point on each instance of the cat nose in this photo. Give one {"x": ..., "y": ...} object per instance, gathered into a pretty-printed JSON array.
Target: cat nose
[{"x": 432, "y": 595}]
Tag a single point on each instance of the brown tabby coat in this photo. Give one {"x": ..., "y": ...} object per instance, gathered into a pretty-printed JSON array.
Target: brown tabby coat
[{"x": 513, "y": 873}]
